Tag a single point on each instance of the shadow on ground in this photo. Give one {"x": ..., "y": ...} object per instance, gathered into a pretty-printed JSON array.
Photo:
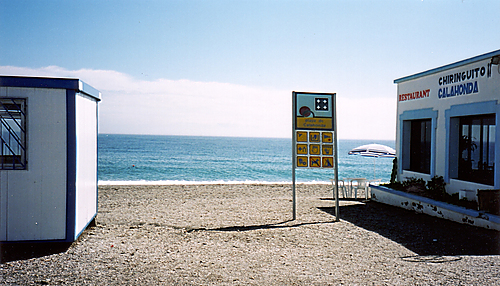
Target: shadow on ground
[
  {"x": 22, "y": 251},
  {"x": 11, "y": 251},
  {"x": 284, "y": 224},
  {"x": 422, "y": 234}
]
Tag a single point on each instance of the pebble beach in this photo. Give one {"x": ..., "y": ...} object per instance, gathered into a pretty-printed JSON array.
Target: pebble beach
[{"x": 243, "y": 234}]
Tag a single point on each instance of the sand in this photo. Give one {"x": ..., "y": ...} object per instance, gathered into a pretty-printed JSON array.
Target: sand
[{"x": 244, "y": 235}]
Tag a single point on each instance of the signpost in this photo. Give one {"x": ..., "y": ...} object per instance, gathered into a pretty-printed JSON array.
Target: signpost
[{"x": 314, "y": 137}]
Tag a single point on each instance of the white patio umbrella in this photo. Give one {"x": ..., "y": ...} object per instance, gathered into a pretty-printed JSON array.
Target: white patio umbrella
[{"x": 375, "y": 151}]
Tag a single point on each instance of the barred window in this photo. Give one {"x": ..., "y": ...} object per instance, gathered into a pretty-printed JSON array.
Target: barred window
[{"x": 12, "y": 134}]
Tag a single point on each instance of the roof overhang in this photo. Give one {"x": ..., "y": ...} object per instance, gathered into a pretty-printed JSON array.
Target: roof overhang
[
  {"x": 48, "y": 82},
  {"x": 491, "y": 55}
]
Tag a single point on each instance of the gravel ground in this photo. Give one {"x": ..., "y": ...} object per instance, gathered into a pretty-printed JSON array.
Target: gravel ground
[{"x": 244, "y": 235}]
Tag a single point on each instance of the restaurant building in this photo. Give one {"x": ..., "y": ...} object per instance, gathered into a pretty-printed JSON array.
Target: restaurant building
[{"x": 447, "y": 121}]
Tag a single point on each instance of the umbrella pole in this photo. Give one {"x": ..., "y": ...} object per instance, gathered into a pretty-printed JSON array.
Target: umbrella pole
[{"x": 374, "y": 167}]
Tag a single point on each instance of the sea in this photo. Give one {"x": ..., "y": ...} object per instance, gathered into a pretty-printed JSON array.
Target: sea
[{"x": 159, "y": 159}]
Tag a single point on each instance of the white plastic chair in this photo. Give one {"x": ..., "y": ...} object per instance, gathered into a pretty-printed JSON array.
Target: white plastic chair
[
  {"x": 361, "y": 184},
  {"x": 342, "y": 187}
]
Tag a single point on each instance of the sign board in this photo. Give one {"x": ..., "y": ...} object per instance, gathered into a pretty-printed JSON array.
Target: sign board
[
  {"x": 314, "y": 144},
  {"x": 314, "y": 129},
  {"x": 313, "y": 111},
  {"x": 314, "y": 135}
]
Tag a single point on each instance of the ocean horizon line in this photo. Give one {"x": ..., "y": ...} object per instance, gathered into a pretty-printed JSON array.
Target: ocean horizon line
[
  {"x": 242, "y": 137},
  {"x": 216, "y": 182}
]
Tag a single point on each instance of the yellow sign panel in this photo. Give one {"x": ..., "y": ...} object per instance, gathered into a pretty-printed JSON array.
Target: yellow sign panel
[
  {"x": 315, "y": 162},
  {"x": 314, "y": 123},
  {"x": 302, "y": 161},
  {"x": 301, "y": 136},
  {"x": 327, "y": 150},
  {"x": 314, "y": 149},
  {"x": 327, "y": 162},
  {"x": 314, "y": 137},
  {"x": 302, "y": 149},
  {"x": 327, "y": 137}
]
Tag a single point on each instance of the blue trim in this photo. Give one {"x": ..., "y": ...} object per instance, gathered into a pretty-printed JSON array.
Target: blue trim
[
  {"x": 414, "y": 115},
  {"x": 450, "y": 66},
  {"x": 474, "y": 108},
  {"x": 70, "y": 165},
  {"x": 468, "y": 109},
  {"x": 39, "y": 82},
  {"x": 45, "y": 82},
  {"x": 97, "y": 161},
  {"x": 418, "y": 114}
]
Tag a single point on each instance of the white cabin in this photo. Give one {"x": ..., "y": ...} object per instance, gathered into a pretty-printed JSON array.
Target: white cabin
[{"x": 48, "y": 158}]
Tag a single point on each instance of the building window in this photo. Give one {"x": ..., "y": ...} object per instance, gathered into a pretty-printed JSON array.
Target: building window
[
  {"x": 12, "y": 134},
  {"x": 477, "y": 149},
  {"x": 418, "y": 135}
]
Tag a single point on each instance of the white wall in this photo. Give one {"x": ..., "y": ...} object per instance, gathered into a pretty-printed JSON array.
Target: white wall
[
  {"x": 86, "y": 161},
  {"x": 33, "y": 201}
]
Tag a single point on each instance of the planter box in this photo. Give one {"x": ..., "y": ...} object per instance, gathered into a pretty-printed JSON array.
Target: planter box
[
  {"x": 489, "y": 201},
  {"x": 434, "y": 208}
]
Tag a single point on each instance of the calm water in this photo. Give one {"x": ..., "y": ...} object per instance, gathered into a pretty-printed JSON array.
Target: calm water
[{"x": 188, "y": 159}]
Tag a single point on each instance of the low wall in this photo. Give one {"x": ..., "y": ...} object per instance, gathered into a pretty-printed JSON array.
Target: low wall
[{"x": 431, "y": 207}]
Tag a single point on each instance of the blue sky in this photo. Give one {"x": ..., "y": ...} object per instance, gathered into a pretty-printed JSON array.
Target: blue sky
[{"x": 228, "y": 68}]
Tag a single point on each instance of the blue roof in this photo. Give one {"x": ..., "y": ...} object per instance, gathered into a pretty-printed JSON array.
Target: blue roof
[
  {"x": 48, "y": 82},
  {"x": 450, "y": 66}
]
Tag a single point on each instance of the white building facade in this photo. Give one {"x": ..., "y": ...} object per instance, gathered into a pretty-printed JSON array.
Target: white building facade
[{"x": 447, "y": 125}]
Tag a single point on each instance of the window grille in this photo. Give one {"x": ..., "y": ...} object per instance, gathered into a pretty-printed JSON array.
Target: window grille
[{"x": 12, "y": 134}]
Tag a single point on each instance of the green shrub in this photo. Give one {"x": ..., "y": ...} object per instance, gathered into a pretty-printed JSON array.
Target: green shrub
[
  {"x": 414, "y": 183},
  {"x": 395, "y": 186},
  {"x": 436, "y": 187},
  {"x": 394, "y": 172}
]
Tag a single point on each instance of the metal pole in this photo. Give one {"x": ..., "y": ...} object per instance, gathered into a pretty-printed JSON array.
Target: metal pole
[
  {"x": 294, "y": 201},
  {"x": 336, "y": 158},
  {"x": 294, "y": 163},
  {"x": 374, "y": 167}
]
